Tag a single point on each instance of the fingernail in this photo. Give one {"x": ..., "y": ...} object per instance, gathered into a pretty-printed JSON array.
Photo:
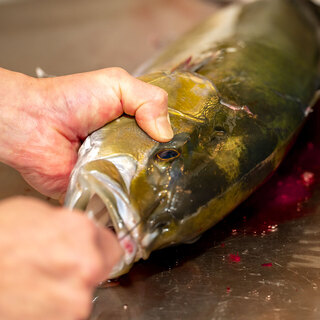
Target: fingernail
[{"x": 164, "y": 128}]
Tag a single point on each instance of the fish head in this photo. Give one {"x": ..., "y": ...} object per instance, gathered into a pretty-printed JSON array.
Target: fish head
[{"x": 139, "y": 187}]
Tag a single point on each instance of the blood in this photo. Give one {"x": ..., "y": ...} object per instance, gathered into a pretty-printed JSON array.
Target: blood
[
  {"x": 128, "y": 246},
  {"x": 234, "y": 258},
  {"x": 284, "y": 197},
  {"x": 288, "y": 194},
  {"x": 268, "y": 264},
  {"x": 184, "y": 65}
]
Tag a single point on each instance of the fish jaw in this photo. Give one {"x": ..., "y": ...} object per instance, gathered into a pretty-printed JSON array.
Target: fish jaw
[{"x": 100, "y": 188}]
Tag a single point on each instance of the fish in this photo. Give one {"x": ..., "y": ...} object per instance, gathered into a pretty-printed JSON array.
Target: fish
[{"x": 240, "y": 87}]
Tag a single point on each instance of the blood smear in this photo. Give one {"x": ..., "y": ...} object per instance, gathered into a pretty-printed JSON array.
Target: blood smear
[
  {"x": 269, "y": 264},
  {"x": 234, "y": 257}
]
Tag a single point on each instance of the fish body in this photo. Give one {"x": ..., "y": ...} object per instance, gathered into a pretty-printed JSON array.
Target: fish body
[{"x": 240, "y": 86}]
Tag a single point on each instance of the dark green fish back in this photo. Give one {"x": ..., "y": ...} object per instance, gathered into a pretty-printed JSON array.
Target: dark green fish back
[{"x": 273, "y": 69}]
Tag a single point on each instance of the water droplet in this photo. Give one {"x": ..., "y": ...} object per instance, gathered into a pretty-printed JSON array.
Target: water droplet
[
  {"x": 125, "y": 307},
  {"x": 109, "y": 283},
  {"x": 234, "y": 232},
  {"x": 268, "y": 297},
  {"x": 307, "y": 178}
]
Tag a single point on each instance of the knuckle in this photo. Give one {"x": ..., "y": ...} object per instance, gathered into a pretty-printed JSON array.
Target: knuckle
[
  {"x": 118, "y": 72},
  {"x": 161, "y": 96}
]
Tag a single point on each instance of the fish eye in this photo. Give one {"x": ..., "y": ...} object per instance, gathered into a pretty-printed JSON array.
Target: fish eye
[{"x": 167, "y": 154}]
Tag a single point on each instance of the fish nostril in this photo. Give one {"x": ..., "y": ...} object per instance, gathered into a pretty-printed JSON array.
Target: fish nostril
[
  {"x": 219, "y": 131},
  {"x": 160, "y": 220}
]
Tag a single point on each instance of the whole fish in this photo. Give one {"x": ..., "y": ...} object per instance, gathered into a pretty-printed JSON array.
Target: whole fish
[{"x": 240, "y": 87}]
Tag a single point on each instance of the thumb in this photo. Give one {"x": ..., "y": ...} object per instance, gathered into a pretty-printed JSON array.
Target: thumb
[{"x": 90, "y": 100}]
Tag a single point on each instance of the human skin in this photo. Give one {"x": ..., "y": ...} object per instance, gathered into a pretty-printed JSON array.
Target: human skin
[
  {"x": 51, "y": 259},
  {"x": 44, "y": 121}
]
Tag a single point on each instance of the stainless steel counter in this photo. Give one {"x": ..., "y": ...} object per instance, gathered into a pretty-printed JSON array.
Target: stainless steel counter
[{"x": 262, "y": 261}]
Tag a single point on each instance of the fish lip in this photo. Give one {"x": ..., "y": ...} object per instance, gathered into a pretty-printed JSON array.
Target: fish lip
[
  {"x": 115, "y": 198},
  {"x": 125, "y": 221}
]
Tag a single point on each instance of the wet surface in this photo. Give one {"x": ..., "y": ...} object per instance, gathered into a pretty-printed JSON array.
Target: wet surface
[{"x": 263, "y": 260}]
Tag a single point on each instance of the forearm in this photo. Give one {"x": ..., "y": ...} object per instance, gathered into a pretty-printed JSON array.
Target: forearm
[
  {"x": 19, "y": 98},
  {"x": 43, "y": 121}
]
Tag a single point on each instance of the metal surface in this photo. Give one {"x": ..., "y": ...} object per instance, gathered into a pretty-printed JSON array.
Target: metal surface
[{"x": 263, "y": 260}]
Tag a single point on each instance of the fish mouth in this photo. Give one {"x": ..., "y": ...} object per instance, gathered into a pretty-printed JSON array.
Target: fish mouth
[{"x": 100, "y": 190}]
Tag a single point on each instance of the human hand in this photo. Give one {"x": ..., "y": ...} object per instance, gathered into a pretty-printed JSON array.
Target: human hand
[
  {"x": 43, "y": 121},
  {"x": 51, "y": 260}
]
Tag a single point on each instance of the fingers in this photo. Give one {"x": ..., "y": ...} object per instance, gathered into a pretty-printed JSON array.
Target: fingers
[
  {"x": 96, "y": 249},
  {"x": 92, "y": 99},
  {"x": 148, "y": 103},
  {"x": 64, "y": 256},
  {"x": 110, "y": 250}
]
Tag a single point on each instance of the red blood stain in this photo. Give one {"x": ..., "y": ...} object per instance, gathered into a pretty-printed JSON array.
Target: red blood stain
[
  {"x": 285, "y": 197},
  {"x": 234, "y": 257},
  {"x": 228, "y": 289},
  {"x": 268, "y": 264},
  {"x": 128, "y": 246}
]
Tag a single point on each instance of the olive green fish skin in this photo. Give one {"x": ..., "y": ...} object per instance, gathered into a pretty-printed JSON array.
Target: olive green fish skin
[{"x": 236, "y": 104}]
